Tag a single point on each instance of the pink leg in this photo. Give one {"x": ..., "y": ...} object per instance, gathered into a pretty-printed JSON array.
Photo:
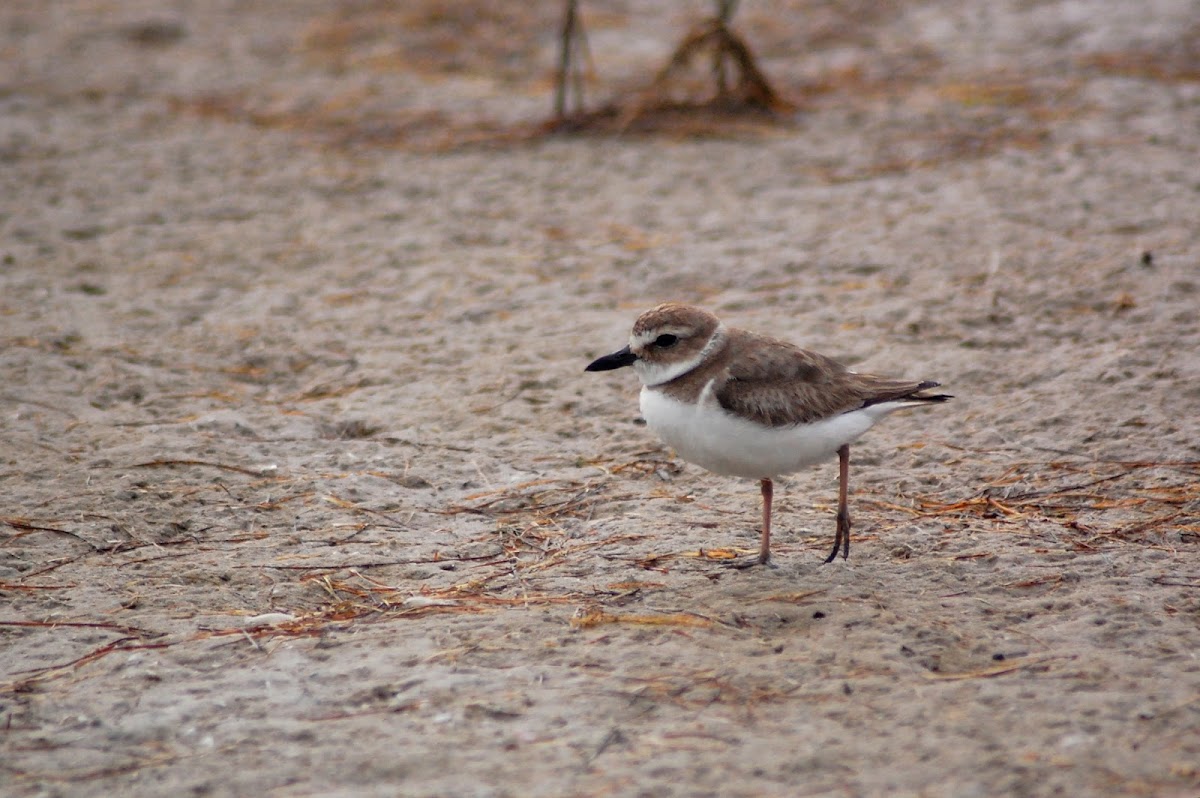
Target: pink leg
[
  {"x": 764, "y": 550},
  {"x": 841, "y": 539}
]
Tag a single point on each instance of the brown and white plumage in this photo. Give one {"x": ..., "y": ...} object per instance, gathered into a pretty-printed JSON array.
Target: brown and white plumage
[{"x": 743, "y": 404}]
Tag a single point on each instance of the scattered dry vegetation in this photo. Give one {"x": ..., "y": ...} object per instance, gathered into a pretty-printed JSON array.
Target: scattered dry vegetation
[
  {"x": 433, "y": 38},
  {"x": 1060, "y": 505},
  {"x": 713, "y": 84}
]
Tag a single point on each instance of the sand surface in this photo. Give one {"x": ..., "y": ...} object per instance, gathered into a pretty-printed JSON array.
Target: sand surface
[{"x": 303, "y": 490}]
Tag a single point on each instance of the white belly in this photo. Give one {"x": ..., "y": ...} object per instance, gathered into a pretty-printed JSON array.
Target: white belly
[{"x": 712, "y": 438}]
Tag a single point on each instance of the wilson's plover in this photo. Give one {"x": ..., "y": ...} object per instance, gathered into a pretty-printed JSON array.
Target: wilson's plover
[{"x": 745, "y": 405}]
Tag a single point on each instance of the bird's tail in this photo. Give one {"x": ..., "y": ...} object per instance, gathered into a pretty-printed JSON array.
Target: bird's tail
[
  {"x": 905, "y": 394},
  {"x": 919, "y": 395}
]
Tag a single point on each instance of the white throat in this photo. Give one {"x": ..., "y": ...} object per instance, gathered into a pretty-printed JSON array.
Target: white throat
[{"x": 652, "y": 374}]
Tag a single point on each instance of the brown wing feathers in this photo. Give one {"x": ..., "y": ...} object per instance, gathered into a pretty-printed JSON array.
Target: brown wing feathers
[{"x": 778, "y": 384}]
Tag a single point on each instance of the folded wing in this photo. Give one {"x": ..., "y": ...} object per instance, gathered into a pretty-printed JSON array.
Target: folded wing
[{"x": 779, "y": 384}]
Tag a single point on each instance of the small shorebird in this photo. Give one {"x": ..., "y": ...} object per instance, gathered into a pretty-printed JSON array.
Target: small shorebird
[{"x": 744, "y": 405}]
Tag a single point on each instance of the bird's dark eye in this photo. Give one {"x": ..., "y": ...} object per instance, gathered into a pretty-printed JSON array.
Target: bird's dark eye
[{"x": 665, "y": 340}]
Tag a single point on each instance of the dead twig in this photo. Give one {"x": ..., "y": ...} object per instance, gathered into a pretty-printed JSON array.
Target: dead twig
[
  {"x": 116, "y": 627},
  {"x": 597, "y": 617},
  {"x": 751, "y": 90},
  {"x": 26, "y": 527},
  {"x": 202, "y": 463},
  {"x": 997, "y": 670},
  {"x": 35, "y": 675},
  {"x": 572, "y": 52},
  {"x": 370, "y": 564}
]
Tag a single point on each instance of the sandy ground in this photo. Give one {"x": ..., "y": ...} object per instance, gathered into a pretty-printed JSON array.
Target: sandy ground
[{"x": 303, "y": 490}]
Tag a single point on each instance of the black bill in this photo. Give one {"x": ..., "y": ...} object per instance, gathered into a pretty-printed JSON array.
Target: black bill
[{"x": 616, "y": 360}]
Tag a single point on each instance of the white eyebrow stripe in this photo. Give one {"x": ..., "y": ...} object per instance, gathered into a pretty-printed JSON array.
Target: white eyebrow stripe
[
  {"x": 655, "y": 374},
  {"x": 650, "y": 336}
]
